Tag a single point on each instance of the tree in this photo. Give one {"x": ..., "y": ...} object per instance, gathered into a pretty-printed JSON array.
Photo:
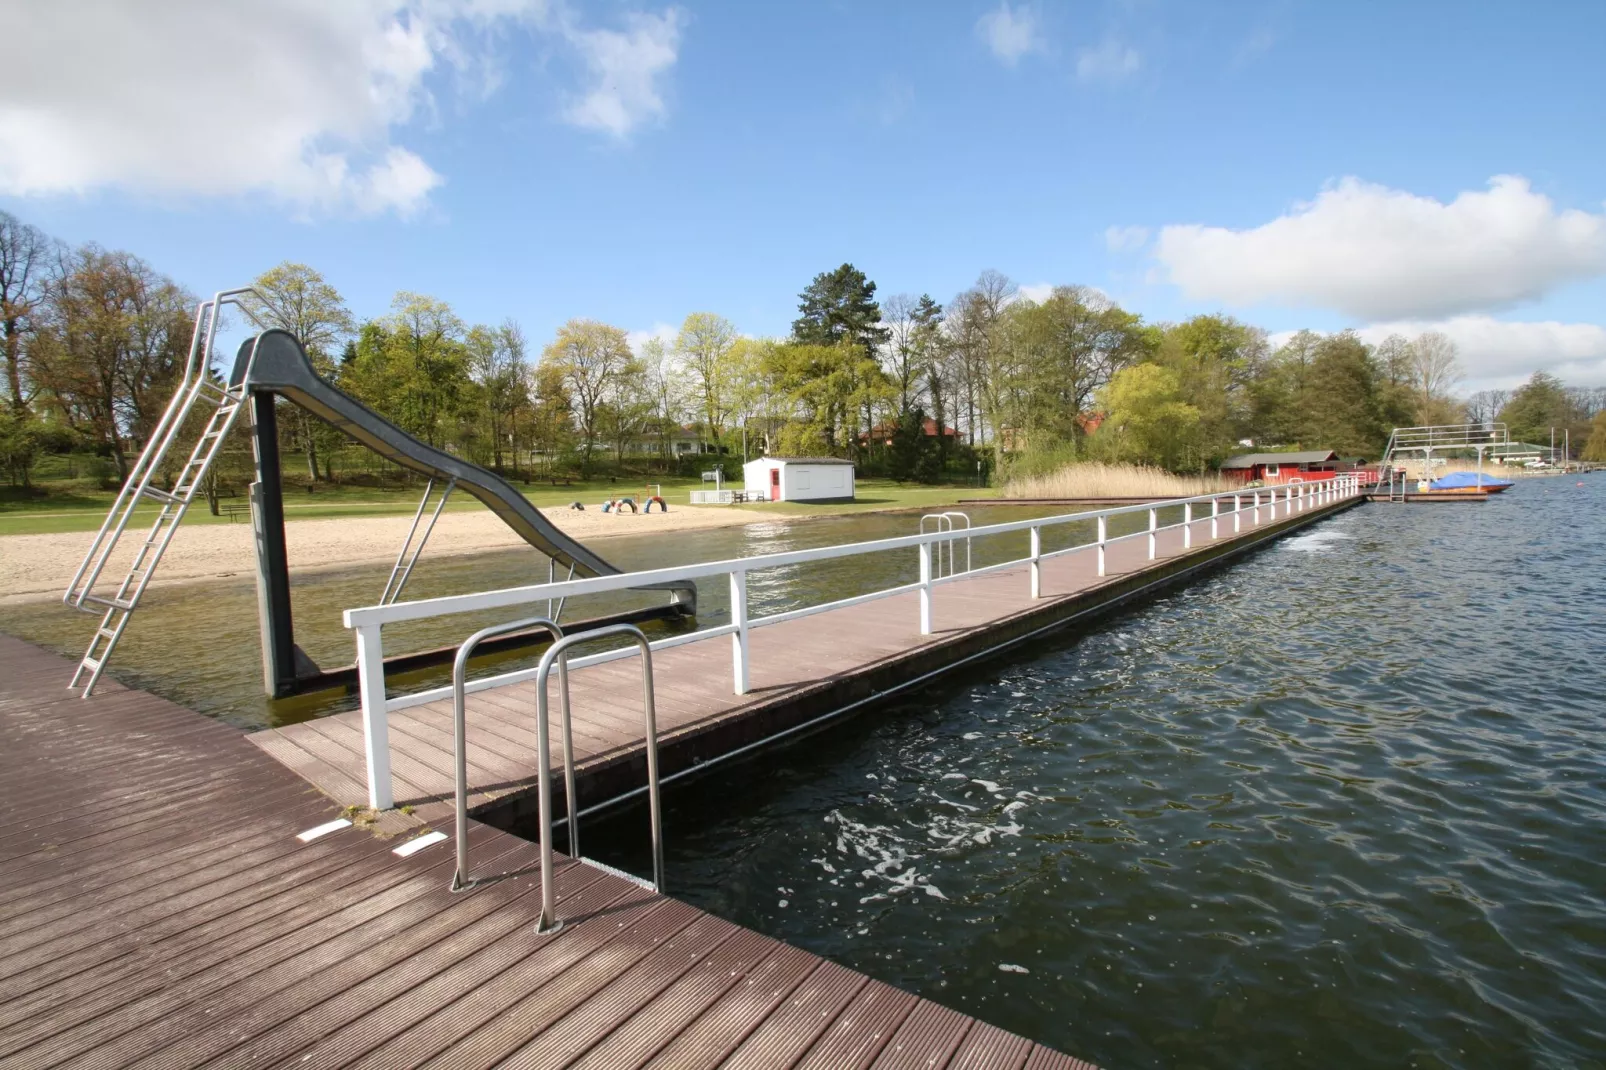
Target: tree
[
  {"x": 1217, "y": 359},
  {"x": 661, "y": 389},
  {"x": 1071, "y": 345},
  {"x": 1147, "y": 421},
  {"x": 706, "y": 349},
  {"x": 1537, "y": 408},
  {"x": 496, "y": 363},
  {"x": 411, "y": 366},
  {"x": 116, "y": 338},
  {"x": 1595, "y": 448},
  {"x": 824, "y": 388},
  {"x": 1339, "y": 408},
  {"x": 587, "y": 355},
  {"x": 1434, "y": 373},
  {"x": 839, "y": 307},
  {"x": 25, "y": 257},
  {"x": 907, "y": 347},
  {"x": 296, "y": 298}
]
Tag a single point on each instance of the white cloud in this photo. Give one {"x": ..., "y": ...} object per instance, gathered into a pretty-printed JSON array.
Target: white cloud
[
  {"x": 1037, "y": 293},
  {"x": 1504, "y": 353},
  {"x": 662, "y": 331},
  {"x": 300, "y": 101},
  {"x": 1009, "y": 32},
  {"x": 626, "y": 68},
  {"x": 1109, "y": 62},
  {"x": 1124, "y": 239},
  {"x": 1377, "y": 253}
]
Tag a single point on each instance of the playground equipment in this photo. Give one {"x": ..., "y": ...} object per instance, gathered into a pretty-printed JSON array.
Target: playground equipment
[
  {"x": 719, "y": 495},
  {"x": 269, "y": 365},
  {"x": 617, "y": 505}
]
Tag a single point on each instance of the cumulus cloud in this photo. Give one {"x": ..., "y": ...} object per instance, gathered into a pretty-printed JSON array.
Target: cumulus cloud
[
  {"x": 1504, "y": 353},
  {"x": 1009, "y": 33},
  {"x": 1109, "y": 62},
  {"x": 300, "y": 101},
  {"x": 626, "y": 68},
  {"x": 1036, "y": 293},
  {"x": 1376, "y": 253}
]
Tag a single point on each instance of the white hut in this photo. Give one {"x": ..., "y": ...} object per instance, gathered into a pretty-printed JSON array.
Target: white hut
[{"x": 799, "y": 479}]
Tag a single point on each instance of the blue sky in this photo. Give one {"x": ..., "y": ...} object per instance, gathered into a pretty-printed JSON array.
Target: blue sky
[{"x": 634, "y": 164}]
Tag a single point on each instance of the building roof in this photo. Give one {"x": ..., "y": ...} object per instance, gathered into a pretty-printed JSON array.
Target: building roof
[
  {"x": 805, "y": 460},
  {"x": 1250, "y": 460}
]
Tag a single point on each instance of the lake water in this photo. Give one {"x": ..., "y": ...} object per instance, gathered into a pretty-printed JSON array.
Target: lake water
[{"x": 1340, "y": 804}]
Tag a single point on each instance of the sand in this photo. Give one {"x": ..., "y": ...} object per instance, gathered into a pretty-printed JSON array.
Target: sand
[{"x": 34, "y": 567}]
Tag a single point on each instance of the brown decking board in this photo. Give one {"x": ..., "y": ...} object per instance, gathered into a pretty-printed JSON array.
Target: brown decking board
[
  {"x": 162, "y": 912},
  {"x": 799, "y": 670}
]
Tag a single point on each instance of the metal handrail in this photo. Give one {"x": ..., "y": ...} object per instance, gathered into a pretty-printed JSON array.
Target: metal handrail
[
  {"x": 460, "y": 878},
  {"x": 557, "y": 654},
  {"x": 968, "y": 525}
]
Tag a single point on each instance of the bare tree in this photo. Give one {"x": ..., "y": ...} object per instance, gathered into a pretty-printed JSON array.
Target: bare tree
[
  {"x": 1434, "y": 370},
  {"x": 24, "y": 269}
]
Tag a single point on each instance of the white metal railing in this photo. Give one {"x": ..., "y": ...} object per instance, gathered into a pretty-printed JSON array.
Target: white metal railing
[{"x": 1248, "y": 506}]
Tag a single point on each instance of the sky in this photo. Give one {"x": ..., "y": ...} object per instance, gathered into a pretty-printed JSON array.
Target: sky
[{"x": 1368, "y": 165}]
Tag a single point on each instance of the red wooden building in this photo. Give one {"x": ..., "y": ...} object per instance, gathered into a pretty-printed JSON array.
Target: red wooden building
[{"x": 1305, "y": 466}]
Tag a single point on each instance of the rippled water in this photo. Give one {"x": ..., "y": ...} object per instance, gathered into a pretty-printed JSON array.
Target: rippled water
[
  {"x": 197, "y": 643},
  {"x": 1343, "y": 803}
]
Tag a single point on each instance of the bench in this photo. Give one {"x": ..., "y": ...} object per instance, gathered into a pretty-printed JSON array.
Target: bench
[{"x": 233, "y": 510}]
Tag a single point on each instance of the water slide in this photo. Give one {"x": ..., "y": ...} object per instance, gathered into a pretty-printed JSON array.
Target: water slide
[{"x": 280, "y": 366}]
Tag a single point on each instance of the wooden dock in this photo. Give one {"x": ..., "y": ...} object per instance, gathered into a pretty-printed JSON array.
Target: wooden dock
[
  {"x": 161, "y": 911},
  {"x": 803, "y": 671}
]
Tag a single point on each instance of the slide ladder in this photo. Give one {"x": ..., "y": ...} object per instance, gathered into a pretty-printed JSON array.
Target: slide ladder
[{"x": 196, "y": 388}]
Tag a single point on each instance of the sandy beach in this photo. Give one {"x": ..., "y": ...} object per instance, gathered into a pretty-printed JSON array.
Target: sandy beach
[{"x": 40, "y": 566}]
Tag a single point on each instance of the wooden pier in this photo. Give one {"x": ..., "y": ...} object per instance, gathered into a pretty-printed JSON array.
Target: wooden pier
[
  {"x": 803, "y": 672},
  {"x": 163, "y": 908}
]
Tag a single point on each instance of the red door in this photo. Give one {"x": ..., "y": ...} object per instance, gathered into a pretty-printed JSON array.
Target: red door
[{"x": 775, "y": 484}]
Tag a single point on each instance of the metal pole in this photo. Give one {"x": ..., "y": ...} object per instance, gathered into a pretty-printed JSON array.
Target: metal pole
[
  {"x": 1103, "y": 533},
  {"x": 1237, "y": 513},
  {"x": 1257, "y": 509},
  {"x": 461, "y": 880},
  {"x": 1037, "y": 563},
  {"x": 1215, "y": 511},
  {"x": 1187, "y": 525},
  {"x": 738, "y": 580},
  {"x": 375, "y": 728},
  {"x": 925, "y": 588},
  {"x": 1154, "y": 521}
]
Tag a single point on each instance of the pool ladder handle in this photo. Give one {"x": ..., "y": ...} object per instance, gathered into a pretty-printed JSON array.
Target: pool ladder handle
[{"x": 557, "y": 654}]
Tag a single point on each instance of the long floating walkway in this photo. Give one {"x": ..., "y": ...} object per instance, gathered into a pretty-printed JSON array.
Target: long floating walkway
[
  {"x": 164, "y": 906},
  {"x": 801, "y": 671}
]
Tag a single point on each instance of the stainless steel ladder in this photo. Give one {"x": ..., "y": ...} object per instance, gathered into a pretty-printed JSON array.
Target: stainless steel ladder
[
  {"x": 195, "y": 385},
  {"x": 945, "y": 525},
  {"x": 558, "y": 655}
]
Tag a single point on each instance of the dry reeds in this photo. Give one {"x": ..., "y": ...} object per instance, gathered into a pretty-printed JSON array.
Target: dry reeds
[{"x": 1095, "y": 479}]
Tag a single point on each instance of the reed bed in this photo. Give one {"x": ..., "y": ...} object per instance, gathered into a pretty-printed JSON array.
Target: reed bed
[{"x": 1095, "y": 479}]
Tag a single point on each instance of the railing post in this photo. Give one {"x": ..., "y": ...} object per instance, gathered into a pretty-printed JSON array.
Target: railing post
[
  {"x": 1154, "y": 523},
  {"x": 1257, "y": 509},
  {"x": 1215, "y": 511},
  {"x": 1237, "y": 513},
  {"x": 375, "y": 728},
  {"x": 1104, "y": 531},
  {"x": 1187, "y": 525},
  {"x": 925, "y": 588},
  {"x": 739, "y": 636},
  {"x": 1037, "y": 562}
]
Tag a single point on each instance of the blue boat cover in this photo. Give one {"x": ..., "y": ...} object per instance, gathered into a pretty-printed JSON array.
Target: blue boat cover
[{"x": 1462, "y": 480}]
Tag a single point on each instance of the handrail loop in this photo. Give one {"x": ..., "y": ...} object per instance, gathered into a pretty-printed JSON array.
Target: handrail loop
[
  {"x": 461, "y": 881},
  {"x": 557, "y": 654}
]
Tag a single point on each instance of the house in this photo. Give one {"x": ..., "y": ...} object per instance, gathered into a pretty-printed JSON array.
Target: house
[
  {"x": 799, "y": 479},
  {"x": 883, "y": 433},
  {"x": 1279, "y": 468}
]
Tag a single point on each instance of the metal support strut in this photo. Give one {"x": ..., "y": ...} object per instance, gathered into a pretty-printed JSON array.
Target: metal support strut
[{"x": 403, "y": 568}]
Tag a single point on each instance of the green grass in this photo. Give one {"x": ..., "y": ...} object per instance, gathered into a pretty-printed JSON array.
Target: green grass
[{"x": 72, "y": 506}]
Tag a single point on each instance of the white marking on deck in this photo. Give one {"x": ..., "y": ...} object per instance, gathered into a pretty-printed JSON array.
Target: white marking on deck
[
  {"x": 415, "y": 845},
  {"x": 323, "y": 830}
]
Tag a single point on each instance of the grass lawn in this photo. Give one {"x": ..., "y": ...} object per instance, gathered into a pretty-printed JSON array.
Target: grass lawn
[{"x": 70, "y": 507}]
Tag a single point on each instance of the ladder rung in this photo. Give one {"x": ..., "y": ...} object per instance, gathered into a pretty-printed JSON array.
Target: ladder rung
[
  {"x": 107, "y": 633},
  {"x": 159, "y": 495},
  {"x": 90, "y": 663},
  {"x": 109, "y": 603}
]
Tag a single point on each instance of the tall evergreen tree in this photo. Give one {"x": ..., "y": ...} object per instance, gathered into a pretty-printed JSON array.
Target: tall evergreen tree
[{"x": 840, "y": 306}]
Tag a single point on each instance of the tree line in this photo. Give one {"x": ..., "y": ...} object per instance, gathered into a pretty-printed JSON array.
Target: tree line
[{"x": 909, "y": 387}]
